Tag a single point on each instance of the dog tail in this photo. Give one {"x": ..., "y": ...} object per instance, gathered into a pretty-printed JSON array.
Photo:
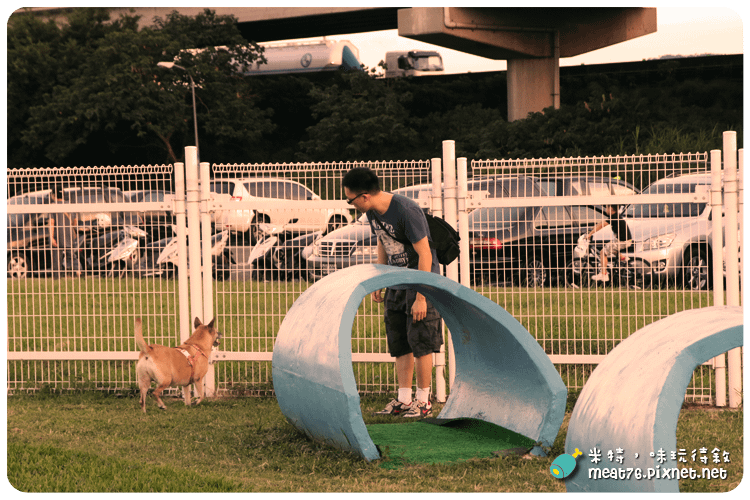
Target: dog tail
[{"x": 145, "y": 349}]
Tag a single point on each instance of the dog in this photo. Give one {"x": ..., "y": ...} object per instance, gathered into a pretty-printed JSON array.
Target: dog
[{"x": 175, "y": 366}]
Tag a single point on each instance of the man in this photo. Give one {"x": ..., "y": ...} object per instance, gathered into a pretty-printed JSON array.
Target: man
[
  {"x": 413, "y": 326},
  {"x": 621, "y": 239}
]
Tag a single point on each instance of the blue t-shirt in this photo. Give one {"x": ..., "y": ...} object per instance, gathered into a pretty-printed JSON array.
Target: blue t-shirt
[{"x": 398, "y": 228}]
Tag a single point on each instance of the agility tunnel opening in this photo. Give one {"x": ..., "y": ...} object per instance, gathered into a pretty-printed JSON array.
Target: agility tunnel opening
[
  {"x": 502, "y": 376},
  {"x": 633, "y": 398}
]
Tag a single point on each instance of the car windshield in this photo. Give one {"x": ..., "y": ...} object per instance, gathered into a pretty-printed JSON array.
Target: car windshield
[
  {"x": 430, "y": 63},
  {"x": 665, "y": 210},
  {"x": 497, "y": 217}
]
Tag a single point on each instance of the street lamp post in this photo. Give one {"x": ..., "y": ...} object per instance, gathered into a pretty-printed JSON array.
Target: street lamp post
[{"x": 170, "y": 65}]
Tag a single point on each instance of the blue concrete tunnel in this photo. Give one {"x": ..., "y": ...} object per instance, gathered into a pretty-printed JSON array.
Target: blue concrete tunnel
[
  {"x": 503, "y": 376},
  {"x": 633, "y": 398}
]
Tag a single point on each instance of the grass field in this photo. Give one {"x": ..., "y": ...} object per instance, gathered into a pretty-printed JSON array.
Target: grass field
[
  {"x": 90, "y": 442},
  {"x": 96, "y": 314}
]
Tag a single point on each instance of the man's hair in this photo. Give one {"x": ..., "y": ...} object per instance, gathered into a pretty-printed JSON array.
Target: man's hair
[{"x": 361, "y": 180}]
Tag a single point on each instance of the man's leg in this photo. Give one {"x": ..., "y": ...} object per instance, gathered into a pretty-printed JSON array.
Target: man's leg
[
  {"x": 395, "y": 327},
  {"x": 405, "y": 374},
  {"x": 422, "y": 407},
  {"x": 424, "y": 370}
]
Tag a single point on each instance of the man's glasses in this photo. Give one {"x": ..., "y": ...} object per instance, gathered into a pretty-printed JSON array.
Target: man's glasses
[{"x": 351, "y": 202}]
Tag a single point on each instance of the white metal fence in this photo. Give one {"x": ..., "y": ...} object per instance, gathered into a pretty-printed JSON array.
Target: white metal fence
[{"x": 78, "y": 332}]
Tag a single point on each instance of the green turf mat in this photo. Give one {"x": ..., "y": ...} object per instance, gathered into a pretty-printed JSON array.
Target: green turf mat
[{"x": 433, "y": 441}]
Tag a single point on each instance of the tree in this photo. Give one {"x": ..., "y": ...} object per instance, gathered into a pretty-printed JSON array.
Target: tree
[
  {"x": 102, "y": 93},
  {"x": 359, "y": 118}
]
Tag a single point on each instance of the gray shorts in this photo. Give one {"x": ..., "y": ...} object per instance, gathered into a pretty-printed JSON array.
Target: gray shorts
[
  {"x": 404, "y": 335},
  {"x": 613, "y": 247}
]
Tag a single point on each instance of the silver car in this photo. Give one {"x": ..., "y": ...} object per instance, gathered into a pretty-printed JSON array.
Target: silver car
[
  {"x": 347, "y": 246},
  {"x": 674, "y": 238}
]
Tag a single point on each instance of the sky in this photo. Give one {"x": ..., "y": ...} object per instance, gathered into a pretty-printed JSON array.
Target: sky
[{"x": 691, "y": 28}]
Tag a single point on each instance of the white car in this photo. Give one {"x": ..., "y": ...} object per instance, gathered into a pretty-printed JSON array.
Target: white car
[
  {"x": 236, "y": 221},
  {"x": 673, "y": 238},
  {"x": 299, "y": 220}
]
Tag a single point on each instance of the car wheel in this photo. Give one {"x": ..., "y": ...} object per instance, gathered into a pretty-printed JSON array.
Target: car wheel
[
  {"x": 535, "y": 274},
  {"x": 639, "y": 274},
  {"x": 577, "y": 274},
  {"x": 697, "y": 272},
  {"x": 18, "y": 266}
]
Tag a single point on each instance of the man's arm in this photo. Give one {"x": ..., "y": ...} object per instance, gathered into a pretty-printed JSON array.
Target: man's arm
[
  {"x": 382, "y": 259},
  {"x": 422, "y": 247}
]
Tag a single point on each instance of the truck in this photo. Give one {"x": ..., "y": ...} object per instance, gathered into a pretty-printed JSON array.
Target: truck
[
  {"x": 306, "y": 57},
  {"x": 413, "y": 63}
]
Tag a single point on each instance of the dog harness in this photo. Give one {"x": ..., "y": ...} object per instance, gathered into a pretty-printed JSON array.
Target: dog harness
[{"x": 191, "y": 358}]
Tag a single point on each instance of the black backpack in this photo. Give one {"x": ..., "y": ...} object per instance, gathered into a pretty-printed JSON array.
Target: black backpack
[{"x": 444, "y": 238}]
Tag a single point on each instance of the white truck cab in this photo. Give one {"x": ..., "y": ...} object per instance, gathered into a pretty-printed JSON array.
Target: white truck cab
[{"x": 413, "y": 63}]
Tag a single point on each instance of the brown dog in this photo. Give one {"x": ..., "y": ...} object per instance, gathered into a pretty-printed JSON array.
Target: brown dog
[{"x": 175, "y": 366}]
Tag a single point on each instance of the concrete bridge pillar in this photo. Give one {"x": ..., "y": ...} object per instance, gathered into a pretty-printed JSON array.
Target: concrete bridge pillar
[
  {"x": 534, "y": 84},
  {"x": 531, "y": 39}
]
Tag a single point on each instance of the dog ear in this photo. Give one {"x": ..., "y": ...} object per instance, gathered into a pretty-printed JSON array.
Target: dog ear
[
  {"x": 211, "y": 323},
  {"x": 197, "y": 322}
]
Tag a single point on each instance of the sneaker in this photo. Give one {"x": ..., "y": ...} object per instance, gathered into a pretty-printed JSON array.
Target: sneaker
[
  {"x": 600, "y": 277},
  {"x": 395, "y": 407},
  {"x": 418, "y": 409}
]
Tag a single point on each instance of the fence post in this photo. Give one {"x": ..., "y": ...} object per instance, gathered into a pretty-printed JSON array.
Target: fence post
[
  {"x": 463, "y": 222},
  {"x": 740, "y": 211},
  {"x": 717, "y": 241},
  {"x": 205, "y": 220},
  {"x": 450, "y": 208},
  {"x": 208, "y": 297},
  {"x": 193, "y": 218},
  {"x": 182, "y": 267},
  {"x": 436, "y": 209},
  {"x": 733, "y": 286}
]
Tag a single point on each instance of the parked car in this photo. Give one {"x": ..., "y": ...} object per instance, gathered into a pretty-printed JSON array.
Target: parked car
[
  {"x": 531, "y": 246},
  {"x": 347, "y": 246},
  {"x": 103, "y": 219},
  {"x": 237, "y": 222},
  {"x": 157, "y": 223},
  {"x": 298, "y": 220},
  {"x": 26, "y": 235},
  {"x": 674, "y": 238},
  {"x": 586, "y": 185},
  {"x": 29, "y": 251}
]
